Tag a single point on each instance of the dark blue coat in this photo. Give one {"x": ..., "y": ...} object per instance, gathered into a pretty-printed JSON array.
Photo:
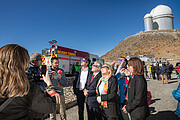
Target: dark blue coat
[
  {"x": 176, "y": 94},
  {"x": 121, "y": 82},
  {"x": 162, "y": 71}
]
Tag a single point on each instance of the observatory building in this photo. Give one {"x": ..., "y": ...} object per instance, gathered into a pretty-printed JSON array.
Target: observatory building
[{"x": 160, "y": 18}]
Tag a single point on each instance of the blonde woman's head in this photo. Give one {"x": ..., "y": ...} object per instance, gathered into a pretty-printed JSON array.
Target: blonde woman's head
[
  {"x": 107, "y": 70},
  {"x": 14, "y": 60}
]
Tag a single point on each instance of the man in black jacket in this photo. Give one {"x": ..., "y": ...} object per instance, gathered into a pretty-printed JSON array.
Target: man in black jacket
[
  {"x": 79, "y": 84},
  {"x": 157, "y": 71},
  {"x": 169, "y": 71},
  {"x": 90, "y": 93},
  {"x": 153, "y": 72}
]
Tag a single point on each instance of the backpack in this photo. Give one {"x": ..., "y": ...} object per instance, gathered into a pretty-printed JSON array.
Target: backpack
[{"x": 149, "y": 97}]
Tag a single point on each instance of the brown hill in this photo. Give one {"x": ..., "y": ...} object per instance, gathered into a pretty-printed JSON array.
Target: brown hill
[{"x": 161, "y": 43}]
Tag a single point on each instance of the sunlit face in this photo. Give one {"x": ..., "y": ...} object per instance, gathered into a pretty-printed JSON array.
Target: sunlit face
[
  {"x": 105, "y": 70},
  {"x": 131, "y": 69},
  {"x": 55, "y": 64},
  {"x": 83, "y": 62},
  {"x": 127, "y": 72},
  {"x": 95, "y": 67}
]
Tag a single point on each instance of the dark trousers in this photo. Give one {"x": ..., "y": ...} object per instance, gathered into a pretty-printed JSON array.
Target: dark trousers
[
  {"x": 168, "y": 75},
  {"x": 118, "y": 108},
  {"x": 153, "y": 75},
  {"x": 106, "y": 117},
  {"x": 93, "y": 113},
  {"x": 157, "y": 74},
  {"x": 80, "y": 103}
]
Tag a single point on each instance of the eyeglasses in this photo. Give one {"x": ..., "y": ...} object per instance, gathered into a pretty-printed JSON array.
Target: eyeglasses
[
  {"x": 105, "y": 67},
  {"x": 83, "y": 61},
  {"x": 120, "y": 59},
  {"x": 95, "y": 65}
]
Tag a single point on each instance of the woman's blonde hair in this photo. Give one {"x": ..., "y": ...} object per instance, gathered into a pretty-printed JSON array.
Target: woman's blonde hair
[
  {"x": 111, "y": 73},
  {"x": 14, "y": 61}
]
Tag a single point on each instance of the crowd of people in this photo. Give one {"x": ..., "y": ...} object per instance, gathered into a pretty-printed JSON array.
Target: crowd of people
[
  {"x": 159, "y": 72},
  {"x": 109, "y": 94}
]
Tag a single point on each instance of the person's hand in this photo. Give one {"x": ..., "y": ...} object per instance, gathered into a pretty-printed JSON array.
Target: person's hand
[
  {"x": 86, "y": 92},
  {"x": 59, "y": 76},
  {"x": 53, "y": 74},
  {"x": 47, "y": 79},
  {"x": 127, "y": 73},
  {"x": 122, "y": 63},
  {"x": 54, "y": 93},
  {"x": 122, "y": 70},
  {"x": 58, "y": 99},
  {"x": 124, "y": 109},
  {"x": 113, "y": 63},
  {"x": 98, "y": 99}
]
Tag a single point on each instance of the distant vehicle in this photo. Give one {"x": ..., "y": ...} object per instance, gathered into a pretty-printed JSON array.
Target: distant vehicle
[
  {"x": 163, "y": 62},
  {"x": 154, "y": 62},
  {"x": 176, "y": 67}
]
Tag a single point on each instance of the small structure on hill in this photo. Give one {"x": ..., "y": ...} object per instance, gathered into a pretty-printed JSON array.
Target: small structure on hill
[
  {"x": 160, "y": 18},
  {"x": 142, "y": 57}
]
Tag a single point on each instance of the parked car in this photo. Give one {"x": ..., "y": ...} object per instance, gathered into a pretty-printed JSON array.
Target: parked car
[{"x": 176, "y": 67}]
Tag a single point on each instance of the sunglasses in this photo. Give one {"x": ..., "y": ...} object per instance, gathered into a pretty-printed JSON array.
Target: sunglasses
[
  {"x": 105, "y": 67},
  {"x": 120, "y": 59},
  {"x": 95, "y": 65},
  {"x": 83, "y": 61}
]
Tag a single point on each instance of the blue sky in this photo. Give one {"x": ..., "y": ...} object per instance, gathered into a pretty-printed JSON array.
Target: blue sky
[{"x": 94, "y": 26}]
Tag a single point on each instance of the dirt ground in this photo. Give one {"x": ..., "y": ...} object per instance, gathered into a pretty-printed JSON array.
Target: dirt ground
[{"x": 162, "y": 106}]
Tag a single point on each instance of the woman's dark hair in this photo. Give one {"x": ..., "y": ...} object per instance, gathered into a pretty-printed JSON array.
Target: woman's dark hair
[
  {"x": 125, "y": 60},
  {"x": 88, "y": 60},
  {"x": 137, "y": 65}
]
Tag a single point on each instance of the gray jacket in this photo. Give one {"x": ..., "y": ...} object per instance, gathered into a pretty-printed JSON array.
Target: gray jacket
[{"x": 56, "y": 80}]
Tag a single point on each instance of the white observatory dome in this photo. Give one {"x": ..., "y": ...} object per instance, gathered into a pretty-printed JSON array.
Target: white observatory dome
[
  {"x": 161, "y": 10},
  {"x": 147, "y": 16},
  {"x": 160, "y": 18}
]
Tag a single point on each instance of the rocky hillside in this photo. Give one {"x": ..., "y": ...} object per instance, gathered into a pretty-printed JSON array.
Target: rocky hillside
[{"x": 161, "y": 43}]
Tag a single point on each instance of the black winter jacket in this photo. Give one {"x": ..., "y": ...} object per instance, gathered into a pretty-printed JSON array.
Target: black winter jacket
[
  {"x": 137, "y": 98},
  {"x": 34, "y": 103}
]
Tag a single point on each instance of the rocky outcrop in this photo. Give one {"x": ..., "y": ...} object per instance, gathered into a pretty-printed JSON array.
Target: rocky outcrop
[{"x": 161, "y": 43}]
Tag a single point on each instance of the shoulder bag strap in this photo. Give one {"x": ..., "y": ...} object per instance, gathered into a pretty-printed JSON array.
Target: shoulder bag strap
[
  {"x": 6, "y": 103},
  {"x": 9, "y": 100}
]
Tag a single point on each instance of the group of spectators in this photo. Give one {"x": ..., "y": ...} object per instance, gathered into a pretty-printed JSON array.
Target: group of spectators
[
  {"x": 157, "y": 72},
  {"x": 112, "y": 94},
  {"x": 26, "y": 93}
]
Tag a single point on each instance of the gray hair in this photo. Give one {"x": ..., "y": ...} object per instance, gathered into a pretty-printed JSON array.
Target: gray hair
[{"x": 34, "y": 56}]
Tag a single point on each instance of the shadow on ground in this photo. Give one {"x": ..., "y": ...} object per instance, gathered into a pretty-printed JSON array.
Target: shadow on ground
[
  {"x": 172, "y": 82},
  {"x": 154, "y": 100},
  {"x": 163, "y": 115}
]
